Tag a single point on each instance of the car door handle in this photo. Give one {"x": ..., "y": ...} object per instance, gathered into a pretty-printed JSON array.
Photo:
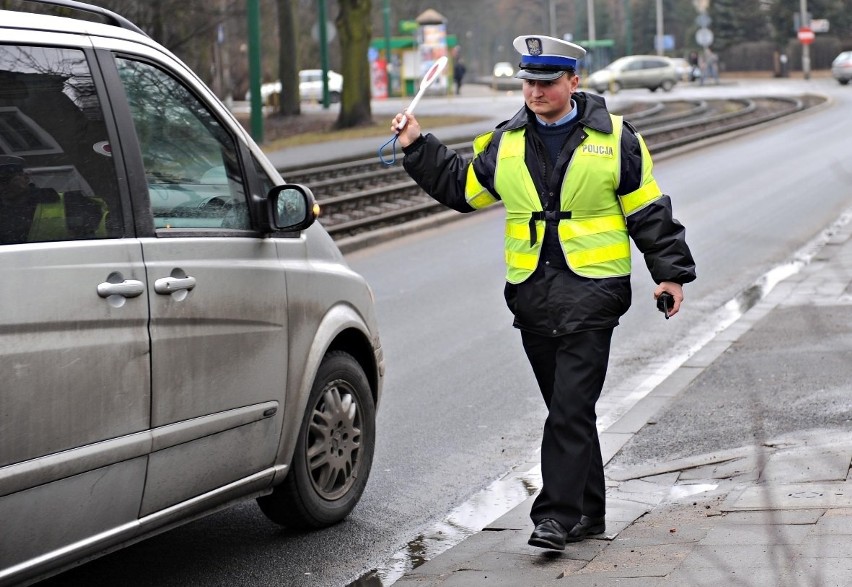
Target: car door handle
[
  {"x": 129, "y": 288},
  {"x": 169, "y": 285}
]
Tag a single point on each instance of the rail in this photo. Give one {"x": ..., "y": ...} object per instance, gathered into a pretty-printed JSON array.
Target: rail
[{"x": 362, "y": 195}]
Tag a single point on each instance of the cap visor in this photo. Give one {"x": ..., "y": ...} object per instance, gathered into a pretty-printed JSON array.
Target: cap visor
[{"x": 539, "y": 74}]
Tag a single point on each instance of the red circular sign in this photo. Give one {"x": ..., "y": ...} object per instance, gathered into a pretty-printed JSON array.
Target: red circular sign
[{"x": 806, "y": 36}]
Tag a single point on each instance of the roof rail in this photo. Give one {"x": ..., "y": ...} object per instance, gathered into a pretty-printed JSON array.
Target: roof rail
[{"x": 109, "y": 16}]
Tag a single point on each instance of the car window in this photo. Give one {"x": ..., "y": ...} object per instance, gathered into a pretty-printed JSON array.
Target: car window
[
  {"x": 57, "y": 176},
  {"x": 191, "y": 161},
  {"x": 266, "y": 183}
]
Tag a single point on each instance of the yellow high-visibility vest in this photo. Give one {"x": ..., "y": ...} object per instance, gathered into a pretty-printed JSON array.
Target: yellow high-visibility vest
[
  {"x": 50, "y": 224},
  {"x": 592, "y": 217}
]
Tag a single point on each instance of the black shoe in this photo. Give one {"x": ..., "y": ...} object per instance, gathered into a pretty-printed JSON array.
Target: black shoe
[
  {"x": 586, "y": 527},
  {"x": 549, "y": 534}
]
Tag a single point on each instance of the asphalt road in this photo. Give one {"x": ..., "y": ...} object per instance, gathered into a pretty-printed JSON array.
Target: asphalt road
[{"x": 460, "y": 406}]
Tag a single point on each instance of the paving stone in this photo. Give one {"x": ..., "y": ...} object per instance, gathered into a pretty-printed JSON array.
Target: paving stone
[
  {"x": 679, "y": 464},
  {"x": 738, "y": 556},
  {"x": 773, "y": 517},
  {"x": 719, "y": 577},
  {"x": 513, "y": 578},
  {"x": 733, "y": 534},
  {"x": 743, "y": 468},
  {"x": 806, "y": 465},
  {"x": 652, "y": 560},
  {"x": 610, "y": 580},
  {"x": 804, "y": 496},
  {"x": 828, "y": 548},
  {"x": 836, "y": 523}
]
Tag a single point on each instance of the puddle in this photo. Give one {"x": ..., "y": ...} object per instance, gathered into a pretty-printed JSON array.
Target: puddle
[
  {"x": 683, "y": 491},
  {"x": 464, "y": 521}
]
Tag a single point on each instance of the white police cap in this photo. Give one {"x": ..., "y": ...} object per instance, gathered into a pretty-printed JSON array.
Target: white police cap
[{"x": 546, "y": 58}]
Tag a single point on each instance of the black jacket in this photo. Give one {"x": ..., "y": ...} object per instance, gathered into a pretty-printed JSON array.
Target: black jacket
[{"x": 554, "y": 300}]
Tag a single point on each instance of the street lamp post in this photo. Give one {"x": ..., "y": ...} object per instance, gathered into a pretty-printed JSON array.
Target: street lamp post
[
  {"x": 660, "y": 31},
  {"x": 552, "y": 12},
  {"x": 323, "y": 42},
  {"x": 256, "y": 117},
  {"x": 590, "y": 8},
  {"x": 806, "y": 48}
]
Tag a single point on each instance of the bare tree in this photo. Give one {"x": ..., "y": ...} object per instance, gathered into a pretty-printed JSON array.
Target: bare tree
[
  {"x": 354, "y": 27},
  {"x": 288, "y": 59}
]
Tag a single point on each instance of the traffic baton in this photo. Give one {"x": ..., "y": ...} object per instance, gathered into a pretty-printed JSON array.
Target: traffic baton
[{"x": 427, "y": 80}]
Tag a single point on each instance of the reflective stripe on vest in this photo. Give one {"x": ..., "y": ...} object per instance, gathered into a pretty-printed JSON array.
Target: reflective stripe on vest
[
  {"x": 648, "y": 191},
  {"x": 594, "y": 238},
  {"x": 474, "y": 192}
]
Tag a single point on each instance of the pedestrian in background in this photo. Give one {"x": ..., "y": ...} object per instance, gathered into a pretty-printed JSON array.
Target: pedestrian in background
[
  {"x": 711, "y": 66},
  {"x": 576, "y": 181},
  {"x": 458, "y": 73},
  {"x": 694, "y": 66}
]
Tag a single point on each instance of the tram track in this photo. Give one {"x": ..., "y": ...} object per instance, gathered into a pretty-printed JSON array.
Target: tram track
[{"x": 364, "y": 195}]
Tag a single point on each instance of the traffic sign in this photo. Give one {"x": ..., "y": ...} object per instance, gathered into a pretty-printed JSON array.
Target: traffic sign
[
  {"x": 703, "y": 20},
  {"x": 806, "y": 36},
  {"x": 704, "y": 37}
]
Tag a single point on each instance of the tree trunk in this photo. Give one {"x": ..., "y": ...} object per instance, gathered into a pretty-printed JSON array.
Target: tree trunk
[
  {"x": 355, "y": 30},
  {"x": 288, "y": 60}
]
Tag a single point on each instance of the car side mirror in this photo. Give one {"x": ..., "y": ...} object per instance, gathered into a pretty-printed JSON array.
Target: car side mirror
[{"x": 291, "y": 207}]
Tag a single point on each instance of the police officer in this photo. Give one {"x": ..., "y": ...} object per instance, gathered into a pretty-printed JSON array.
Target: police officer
[
  {"x": 29, "y": 213},
  {"x": 576, "y": 181}
]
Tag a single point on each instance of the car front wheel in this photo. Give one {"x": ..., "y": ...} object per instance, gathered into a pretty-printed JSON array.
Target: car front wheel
[
  {"x": 334, "y": 451},
  {"x": 667, "y": 85}
]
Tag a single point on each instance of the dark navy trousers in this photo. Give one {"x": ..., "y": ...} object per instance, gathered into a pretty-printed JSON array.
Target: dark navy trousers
[{"x": 570, "y": 371}]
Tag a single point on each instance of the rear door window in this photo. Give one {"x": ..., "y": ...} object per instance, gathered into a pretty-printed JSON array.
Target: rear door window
[{"x": 57, "y": 176}]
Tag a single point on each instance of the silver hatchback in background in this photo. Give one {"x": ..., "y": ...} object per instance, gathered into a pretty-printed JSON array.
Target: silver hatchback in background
[
  {"x": 177, "y": 333},
  {"x": 635, "y": 71},
  {"x": 841, "y": 68}
]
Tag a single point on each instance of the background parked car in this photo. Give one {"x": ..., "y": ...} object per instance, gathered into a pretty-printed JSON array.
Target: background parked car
[
  {"x": 635, "y": 71},
  {"x": 178, "y": 332},
  {"x": 841, "y": 68},
  {"x": 503, "y": 69},
  {"x": 310, "y": 85}
]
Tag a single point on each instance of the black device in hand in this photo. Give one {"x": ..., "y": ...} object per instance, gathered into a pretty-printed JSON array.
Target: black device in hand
[{"x": 665, "y": 302}]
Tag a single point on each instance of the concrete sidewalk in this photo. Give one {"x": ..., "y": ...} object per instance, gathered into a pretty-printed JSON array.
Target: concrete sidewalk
[{"x": 777, "y": 512}]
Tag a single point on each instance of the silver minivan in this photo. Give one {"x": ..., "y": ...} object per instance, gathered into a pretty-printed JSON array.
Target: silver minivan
[{"x": 177, "y": 333}]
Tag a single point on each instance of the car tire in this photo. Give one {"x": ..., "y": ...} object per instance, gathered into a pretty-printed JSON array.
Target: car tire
[
  {"x": 843, "y": 82},
  {"x": 334, "y": 452},
  {"x": 334, "y": 97},
  {"x": 667, "y": 85}
]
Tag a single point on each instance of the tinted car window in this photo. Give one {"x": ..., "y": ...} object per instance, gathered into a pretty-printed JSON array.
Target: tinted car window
[
  {"x": 190, "y": 187},
  {"x": 57, "y": 177}
]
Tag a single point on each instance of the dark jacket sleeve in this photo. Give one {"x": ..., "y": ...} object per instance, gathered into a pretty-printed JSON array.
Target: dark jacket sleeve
[
  {"x": 657, "y": 234},
  {"x": 439, "y": 170},
  {"x": 662, "y": 240}
]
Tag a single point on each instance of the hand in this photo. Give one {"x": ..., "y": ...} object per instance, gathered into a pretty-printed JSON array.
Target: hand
[
  {"x": 676, "y": 291},
  {"x": 410, "y": 132}
]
